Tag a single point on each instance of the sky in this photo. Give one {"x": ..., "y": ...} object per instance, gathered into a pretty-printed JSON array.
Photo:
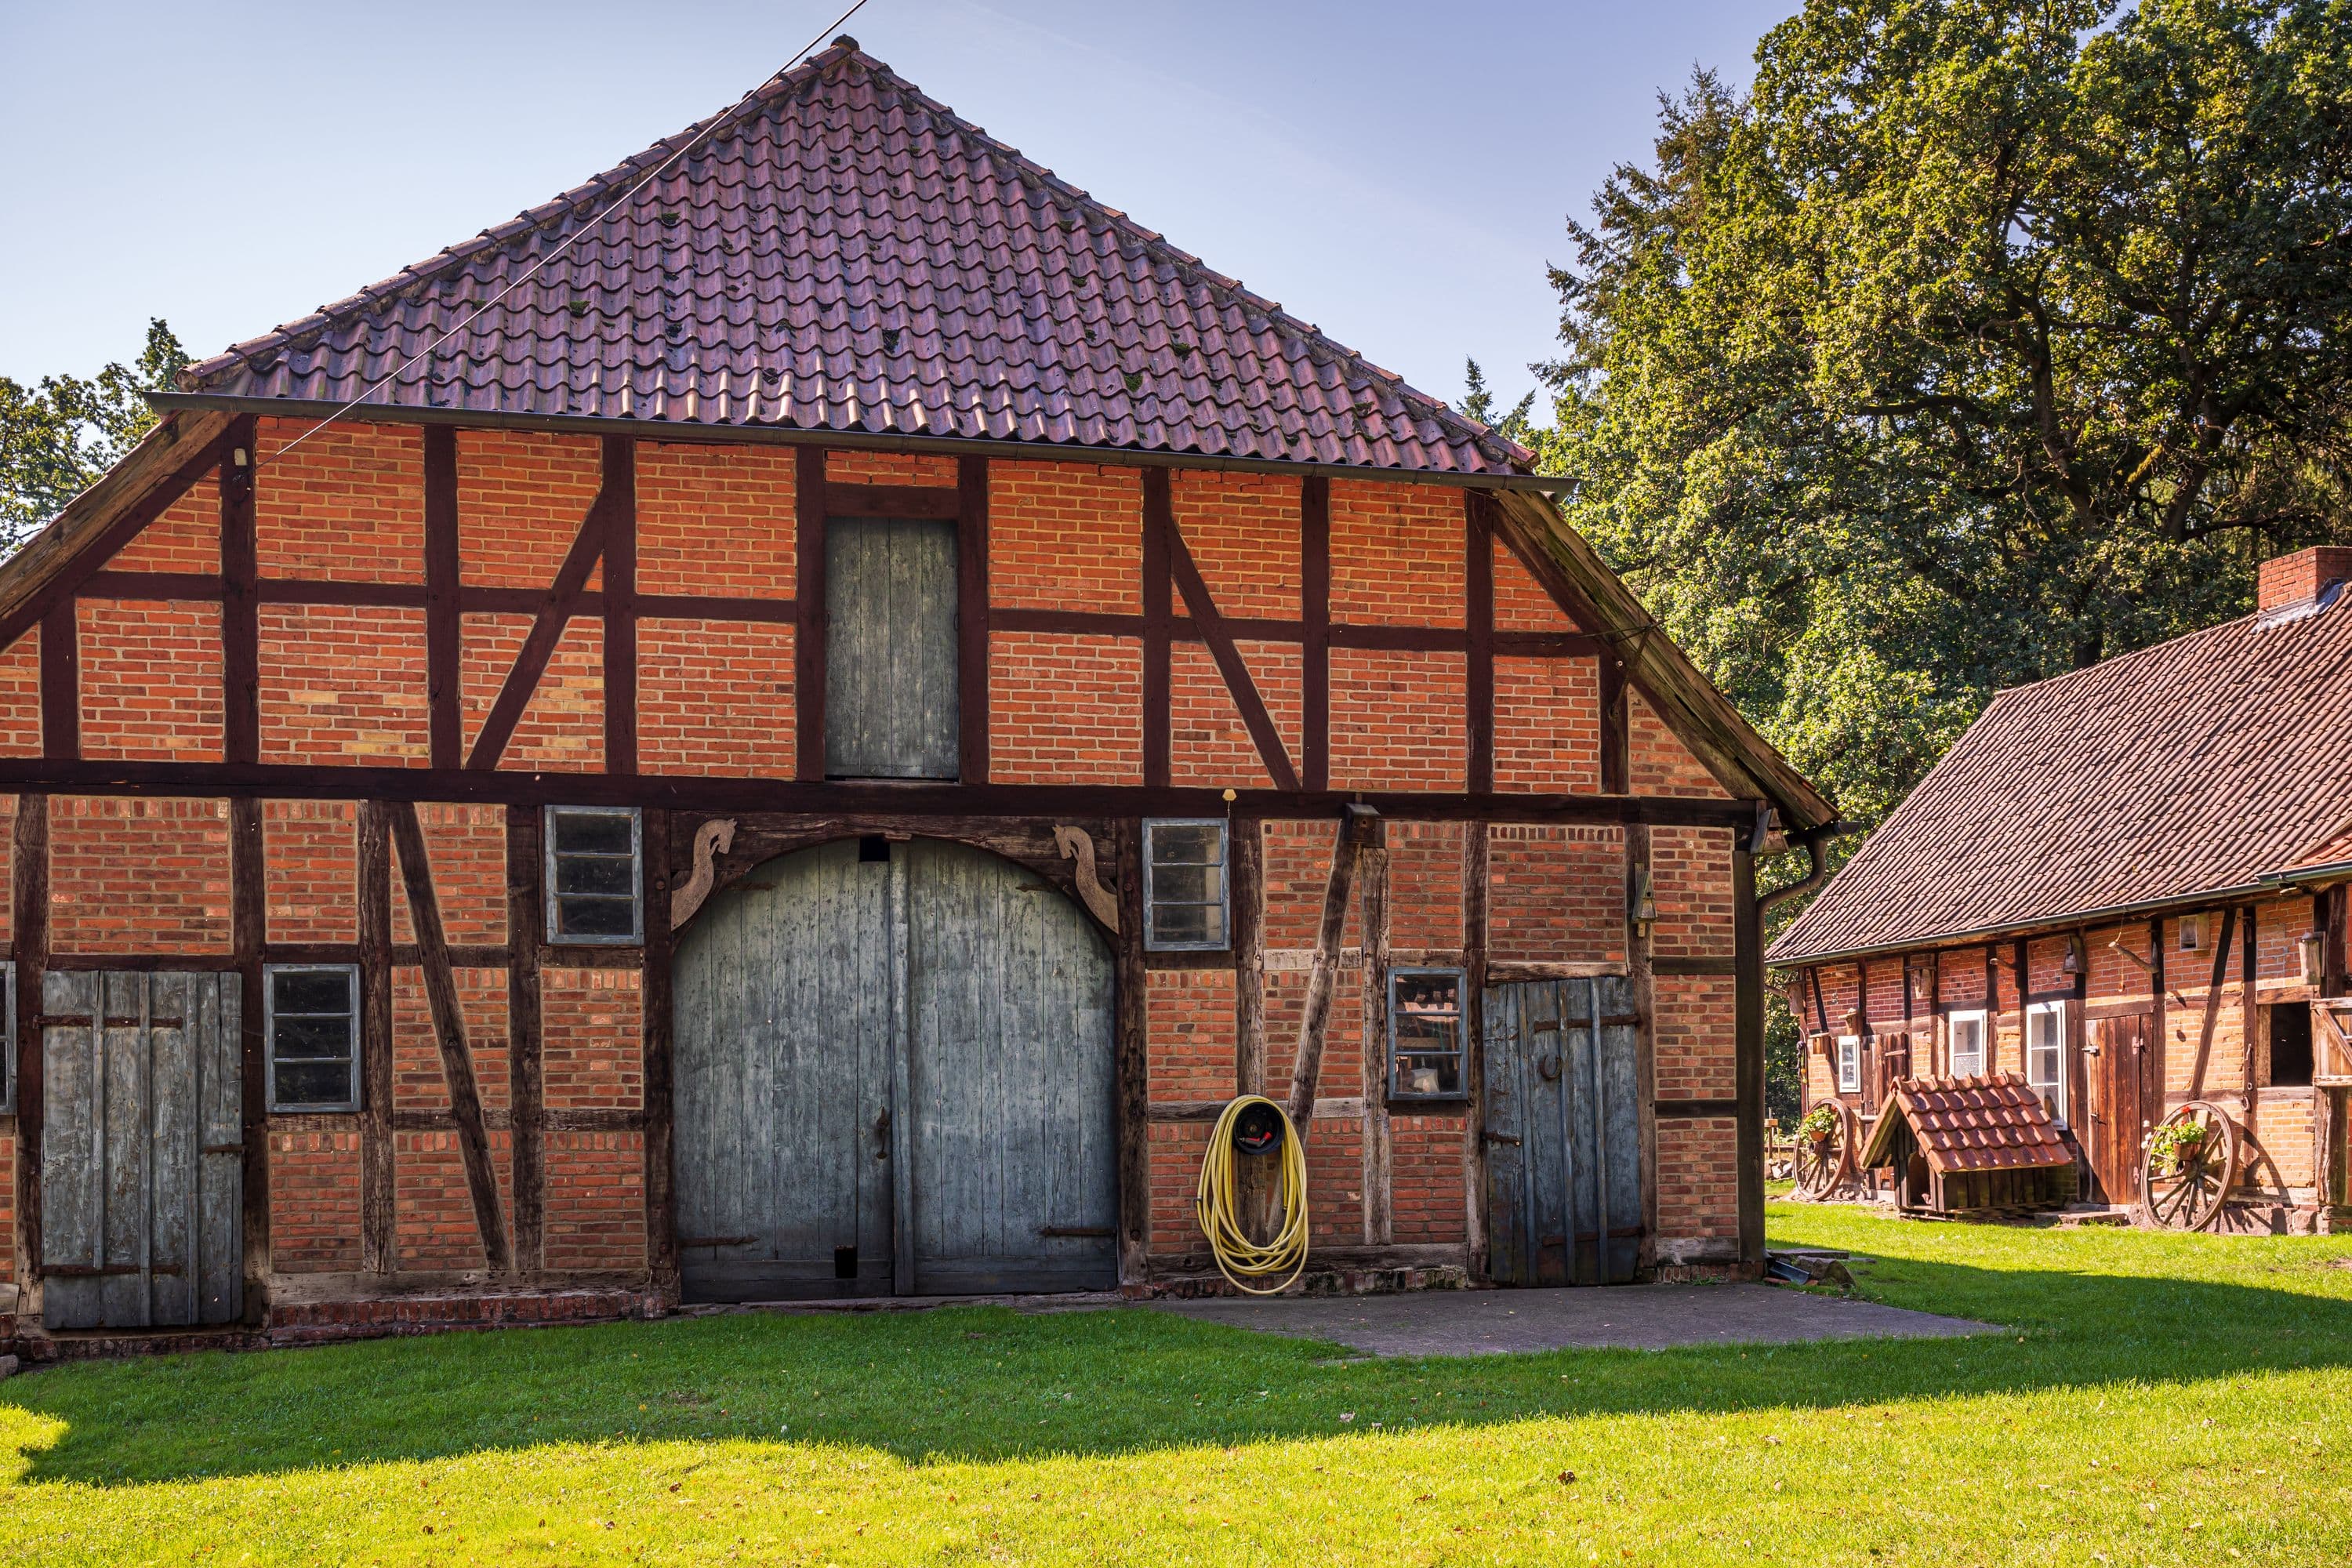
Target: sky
[{"x": 1398, "y": 175}]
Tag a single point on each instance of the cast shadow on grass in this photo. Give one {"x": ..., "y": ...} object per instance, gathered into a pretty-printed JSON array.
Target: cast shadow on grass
[{"x": 988, "y": 1384}]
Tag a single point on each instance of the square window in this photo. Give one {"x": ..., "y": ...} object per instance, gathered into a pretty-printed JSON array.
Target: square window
[
  {"x": 1849, "y": 1064},
  {"x": 1185, "y": 889},
  {"x": 595, "y": 874},
  {"x": 312, "y": 1022},
  {"x": 1424, "y": 1033},
  {"x": 1968, "y": 1045}
]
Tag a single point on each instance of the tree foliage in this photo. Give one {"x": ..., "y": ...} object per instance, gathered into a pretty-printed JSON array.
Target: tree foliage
[
  {"x": 1976, "y": 341},
  {"x": 57, "y": 437}
]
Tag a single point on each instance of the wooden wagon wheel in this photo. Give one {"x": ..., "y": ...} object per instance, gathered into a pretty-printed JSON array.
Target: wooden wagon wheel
[
  {"x": 1825, "y": 1166},
  {"x": 2184, "y": 1185}
]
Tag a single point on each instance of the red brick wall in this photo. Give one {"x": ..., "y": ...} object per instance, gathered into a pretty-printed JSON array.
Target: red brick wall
[
  {"x": 563, "y": 726},
  {"x": 521, "y": 496},
  {"x": 1698, "y": 1172},
  {"x": 20, "y": 698},
  {"x": 1207, "y": 743},
  {"x": 1065, "y": 709},
  {"x": 1556, "y": 893},
  {"x": 1520, "y": 603},
  {"x": 1396, "y": 720},
  {"x": 1398, "y": 554},
  {"x": 1243, "y": 532},
  {"x": 1191, "y": 1014},
  {"x": 186, "y": 538},
  {"x": 348, "y": 503},
  {"x": 1547, "y": 725},
  {"x": 716, "y": 520},
  {"x": 314, "y": 1202},
  {"x": 151, "y": 681},
  {"x": 1658, "y": 763},
  {"x": 343, "y": 685},
  {"x": 715, "y": 697},
  {"x": 1064, "y": 536},
  {"x": 176, "y": 849},
  {"x": 310, "y": 860}
]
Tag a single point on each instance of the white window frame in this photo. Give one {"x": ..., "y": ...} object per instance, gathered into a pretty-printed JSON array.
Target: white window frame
[
  {"x": 636, "y": 932},
  {"x": 1849, "y": 1064},
  {"x": 1952, "y": 1022},
  {"x": 1152, "y": 941},
  {"x": 2053, "y": 1089},
  {"x": 270, "y": 973}
]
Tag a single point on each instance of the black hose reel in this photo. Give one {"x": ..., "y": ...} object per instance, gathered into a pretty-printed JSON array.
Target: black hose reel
[{"x": 1258, "y": 1129}]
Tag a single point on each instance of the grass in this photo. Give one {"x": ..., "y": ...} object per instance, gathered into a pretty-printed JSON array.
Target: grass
[{"x": 2154, "y": 1399}]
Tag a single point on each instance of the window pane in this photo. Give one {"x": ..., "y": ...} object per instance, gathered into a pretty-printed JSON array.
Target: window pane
[
  {"x": 1427, "y": 993},
  {"x": 313, "y": 990},
  {"x": 596, "y": 874},
  {"x": 1187, "y": 843},
  {"x": 1421, "y": 1074},
  {"x": 592, "y": 832},
  {"x": 312, "y": 1036},
  {"x": 313, "y": 1083},
  {"x": 1188, "y": 922},
  {"x": 595, "y": 917},
  {"x": 1426, "y": 1032},
  {"x": 1188, "y": 884}
]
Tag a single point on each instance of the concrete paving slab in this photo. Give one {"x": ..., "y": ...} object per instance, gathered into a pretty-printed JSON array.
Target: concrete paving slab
[{"x": 1637, "y": 1317}]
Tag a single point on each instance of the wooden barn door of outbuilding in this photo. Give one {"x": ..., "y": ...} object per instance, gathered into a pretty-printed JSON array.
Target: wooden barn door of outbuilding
[
  {"x": 142, "y": 1152},
  {"x": 2121, "y": 1097},
  {"x": 894, "y": 1074},
  {"x": 1563, "y": 1129}
]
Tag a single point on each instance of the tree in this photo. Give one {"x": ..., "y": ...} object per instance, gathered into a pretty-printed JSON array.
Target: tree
[
  {"x": 58, "y": 438},
  {"x": 1479, "y": 403},
  {"x": 1978, "y": 342}
]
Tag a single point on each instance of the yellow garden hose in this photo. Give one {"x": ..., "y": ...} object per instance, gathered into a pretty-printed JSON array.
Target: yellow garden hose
[{"x": 1239, "y": 1258}]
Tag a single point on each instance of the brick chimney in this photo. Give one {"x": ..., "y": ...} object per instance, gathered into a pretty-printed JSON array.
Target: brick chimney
[{"x": 2291, "y": 579}]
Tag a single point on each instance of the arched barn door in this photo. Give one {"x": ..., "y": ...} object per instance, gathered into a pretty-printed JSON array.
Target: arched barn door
[{"x": 893, "y": 1073}]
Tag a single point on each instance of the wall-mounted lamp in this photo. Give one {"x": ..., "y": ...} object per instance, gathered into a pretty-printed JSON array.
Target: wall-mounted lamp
[{"x": 2315, "y": 958}]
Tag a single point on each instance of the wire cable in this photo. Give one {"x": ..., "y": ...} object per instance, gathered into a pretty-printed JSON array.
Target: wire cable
[
  {"x": 713, "y": 123},
  {"x": 1216, "y": 1205}
]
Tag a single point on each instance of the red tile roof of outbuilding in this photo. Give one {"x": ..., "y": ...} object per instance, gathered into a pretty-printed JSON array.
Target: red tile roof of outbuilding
[
  {"x": 1988, "y": 1123},
  {"x": 841, "y": 253},
  {"x": 2199, "y": 766}
]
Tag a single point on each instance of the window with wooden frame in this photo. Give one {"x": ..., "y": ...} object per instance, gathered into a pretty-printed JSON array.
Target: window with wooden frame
[
  {"x": 1849, "y": 1064},
  {"x": 1424, "y": 1033},
  {"x": 2287, "y": 1045},
  {"x": 595, "y": 874},
  {"x": 2045, "y": 1053},
  {"x": 1185, "y": 896},
  {"x": 1966, "y": 1043},
  {"x": 311, "y": 1018}
]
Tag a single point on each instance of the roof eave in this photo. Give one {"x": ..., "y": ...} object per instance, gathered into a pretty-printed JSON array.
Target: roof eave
[
  {"x": 777, "y": 435},
  {"x": 2044, "y": 925}
]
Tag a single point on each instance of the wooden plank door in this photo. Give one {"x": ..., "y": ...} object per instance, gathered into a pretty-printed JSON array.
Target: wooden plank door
[
  {"x": 143, "y": 1159},
  {"x": 787, "y": 994},
  {"x": 2119, "y": 1104},
  {"x": 890, "y": 708},
  {"x": 1564, "y": 1195},
  {"x": 1013, "y": 1174}
]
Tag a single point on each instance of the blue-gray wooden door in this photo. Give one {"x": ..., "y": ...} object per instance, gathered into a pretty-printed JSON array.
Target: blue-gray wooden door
[
  {"x": 893, "y": 1072},
  {"x": 1013, "y": 1172},
  {"x": 1563, "y": 1132},
  {"x": 890, "y": 649},
  {"x": 141, "y": 1154},
  {"x": 783, "y": 1026}
]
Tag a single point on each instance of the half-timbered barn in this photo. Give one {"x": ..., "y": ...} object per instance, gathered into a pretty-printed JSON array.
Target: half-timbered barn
[
  {"x": 2126, "y": 886},
  {"x": 794, "y": 722}
]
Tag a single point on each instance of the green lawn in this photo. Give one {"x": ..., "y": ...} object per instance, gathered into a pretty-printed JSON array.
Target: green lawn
[{"x": 2155, "y": 1400}]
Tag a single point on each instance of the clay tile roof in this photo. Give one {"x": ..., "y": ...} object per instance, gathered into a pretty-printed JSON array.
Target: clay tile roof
[
  {"x": 2198, "y": 766},
  {"x": 843, "y": 253},
  {"x": 1987, "y": 1123}
]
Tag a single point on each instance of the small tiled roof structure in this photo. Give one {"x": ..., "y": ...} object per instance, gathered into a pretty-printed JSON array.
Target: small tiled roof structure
[
  {"x": 1985, "y": 1123},
  {"x": 2206, "y": 767},
  {"x": 841, "y": 253}
]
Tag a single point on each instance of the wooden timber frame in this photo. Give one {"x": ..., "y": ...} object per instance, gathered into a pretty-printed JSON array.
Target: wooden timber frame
[{"x": 777, "y": 816}]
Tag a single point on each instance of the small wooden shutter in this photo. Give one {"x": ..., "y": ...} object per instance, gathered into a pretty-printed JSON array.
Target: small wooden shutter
[{"x": 890, "y": 649}]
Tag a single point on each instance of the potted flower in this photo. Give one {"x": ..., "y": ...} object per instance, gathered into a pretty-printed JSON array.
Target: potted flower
[
  {"x": 1818, "y": 1124},
  {"x": 2177, "y": 1144}
]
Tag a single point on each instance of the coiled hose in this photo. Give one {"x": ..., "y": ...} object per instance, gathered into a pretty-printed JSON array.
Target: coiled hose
[{"x": 1239, "y": 1258}]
